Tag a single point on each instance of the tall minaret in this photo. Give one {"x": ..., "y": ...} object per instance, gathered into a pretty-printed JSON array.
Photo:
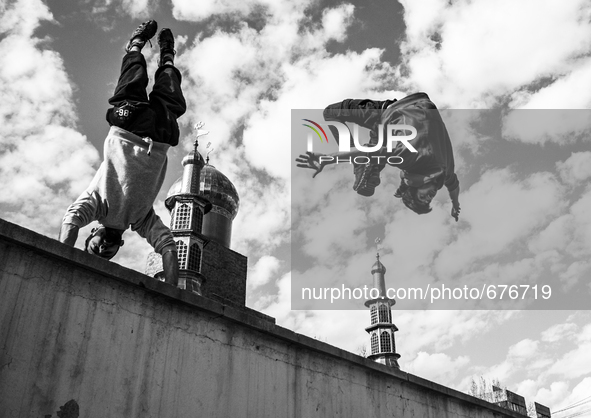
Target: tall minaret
[
  {"x": 186, "y": 211},
  {"x": 381, "y": 331}
]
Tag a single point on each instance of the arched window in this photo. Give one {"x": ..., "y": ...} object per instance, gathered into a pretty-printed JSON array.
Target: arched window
[
  {"x": 385, "y": 342},
  {"x": 384, "y": 313},
  {"x": 182, "y": 254},
  {"x": 197, "y": 224},
  {"x": 374, "y": 343},
  {"x": 182, "y": 219},
  {"x": 194, "y": 258},
  {"x": 374, "y": 314}
]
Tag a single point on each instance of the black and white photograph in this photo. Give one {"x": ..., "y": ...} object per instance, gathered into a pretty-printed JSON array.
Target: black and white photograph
[{"x": 295, "y": 208}]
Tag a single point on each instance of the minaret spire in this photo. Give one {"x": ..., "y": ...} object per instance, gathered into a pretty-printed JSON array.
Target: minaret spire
[
  {"x": 378, "y": 271},
  {"x": 381, "y": 331}
]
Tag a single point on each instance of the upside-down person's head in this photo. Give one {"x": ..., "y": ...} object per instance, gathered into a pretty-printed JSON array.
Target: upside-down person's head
[
  {"x": 104, "y": 242},
  {"x": 417, "y": 199}
]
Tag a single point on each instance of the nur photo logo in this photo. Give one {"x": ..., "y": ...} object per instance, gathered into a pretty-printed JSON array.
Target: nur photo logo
[{"x": 391, "y": 134}]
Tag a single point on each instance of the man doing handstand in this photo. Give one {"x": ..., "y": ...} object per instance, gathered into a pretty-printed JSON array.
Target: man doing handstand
[{"x": 126, "y": 184}]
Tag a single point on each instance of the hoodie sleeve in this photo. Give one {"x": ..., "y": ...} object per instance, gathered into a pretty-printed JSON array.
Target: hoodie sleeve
[
  {"x": 155, "y": 232},
  {"x": 451, "y": 181},
  {"x": 86, "y": 209}
]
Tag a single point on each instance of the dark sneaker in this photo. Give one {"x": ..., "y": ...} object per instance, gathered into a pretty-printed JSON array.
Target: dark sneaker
[
  {"x": 166, "y": 43},
  {"x": 142, "y": 34},
  {"x": 367, "y": 178}
]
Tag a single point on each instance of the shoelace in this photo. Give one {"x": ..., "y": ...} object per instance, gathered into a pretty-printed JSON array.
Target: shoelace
[
  {"x": 141, "y": 42},
  {"x": 150, "y": 143}
]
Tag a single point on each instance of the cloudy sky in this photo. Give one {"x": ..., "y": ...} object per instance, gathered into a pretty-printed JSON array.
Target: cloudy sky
[{"x": 525, "y": 178}]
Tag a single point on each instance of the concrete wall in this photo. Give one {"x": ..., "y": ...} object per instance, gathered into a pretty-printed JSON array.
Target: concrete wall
[{"x": 117, "y": 343}]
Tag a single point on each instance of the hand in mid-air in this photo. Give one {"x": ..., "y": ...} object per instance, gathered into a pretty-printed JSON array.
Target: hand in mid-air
[
  {"x": 310, "y": 160},
  {"x": 455, "y": 210}
]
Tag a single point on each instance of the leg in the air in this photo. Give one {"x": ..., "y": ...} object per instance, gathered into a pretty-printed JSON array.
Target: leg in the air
[
  {"x": 133, "y": 80},
  {"x": 166, "y": 98}
]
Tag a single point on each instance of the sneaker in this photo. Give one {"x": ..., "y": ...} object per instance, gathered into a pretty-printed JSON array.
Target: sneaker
[
  {"x": 166, "y": 43},
  {"x": 367, "y": 178},
  {"x": 142, "y": 34}
]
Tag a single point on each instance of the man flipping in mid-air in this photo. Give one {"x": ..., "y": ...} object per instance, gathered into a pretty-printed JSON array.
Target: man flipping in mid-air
[
  {"x": 422, "y": 173},
  {"x": 126, "y": 184}
]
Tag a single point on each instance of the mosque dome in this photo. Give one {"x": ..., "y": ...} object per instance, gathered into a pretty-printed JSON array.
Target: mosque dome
[
  {"x": 174, "y": 190},
  {"x": 378, "y": 267},
  {"x": 215, "y": 187},
  {"x": 220, "y": 192}
]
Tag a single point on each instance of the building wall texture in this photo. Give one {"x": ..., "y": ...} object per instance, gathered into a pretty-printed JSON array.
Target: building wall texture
[
  {"x": 225, "y": 273},
  {"x": 82, "y": 334}
]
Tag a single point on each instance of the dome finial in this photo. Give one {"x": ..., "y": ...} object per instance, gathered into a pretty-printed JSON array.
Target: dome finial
[
  {"x": 378, "y": 267},
  {"x": 208, "y": 152},
  {"x": 378, "y": 241},
  {"x": 199, "y": 132}
]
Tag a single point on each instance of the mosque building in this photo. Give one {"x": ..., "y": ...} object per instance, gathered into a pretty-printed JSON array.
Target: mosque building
[{"x": 203, "y": 203}]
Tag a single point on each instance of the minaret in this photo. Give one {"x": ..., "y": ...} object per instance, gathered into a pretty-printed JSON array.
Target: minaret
[
  {"x": 186, "y": 210},
  {"x": 381, "y": 331}
]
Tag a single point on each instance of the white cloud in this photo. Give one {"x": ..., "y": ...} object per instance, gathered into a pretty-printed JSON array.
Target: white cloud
[
  {"x": 439, "y": 330},
  {"x": 569, "y": 91},
  {"x": 22, "y": 17},
  {"x": 540, "y": 126},
  {"x": 499, "y": 210},
  {"x": 460, "y": 126},
  {"x": 550, "y": 365},
  {"x": 263, "y": 218},
  {"x": 138, "y": 9},
  {"x": 581, "y": 244},
  {"x": 556, "y": 236},
  {"x": 279, "y": 306},
  {"x": 558, "y": 396},
  {"x": 577, "y": 401},
  {"x": 334, "y": 228},
  {"x": 574, "y": 363},
  {"x": 502, "y": 51},
  {"x": 527, "y": 389},
  {"x": 438, "y": 367},
  {"x": 262, "y": 272},
  {"x": 415, "y": 251},
  {"x": 559, "y": 332},
  {"x": 576, "y": 169},
  {"x": 523, "y": 350},
  {"x": 45, "y": 162},
  {"x": 101, "y": 10},
  {"x": 519, "y": 356},
  {"x": 574, "y": 273},
  {"x": 557, "y": 392},
  {"x": 310, "y": 81},
  {"x": 134, "y": 252},
  {"x": 190, "y": 10},
  {"x": 336, "y": 21},
  {"x": 585, "y": 335}
]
